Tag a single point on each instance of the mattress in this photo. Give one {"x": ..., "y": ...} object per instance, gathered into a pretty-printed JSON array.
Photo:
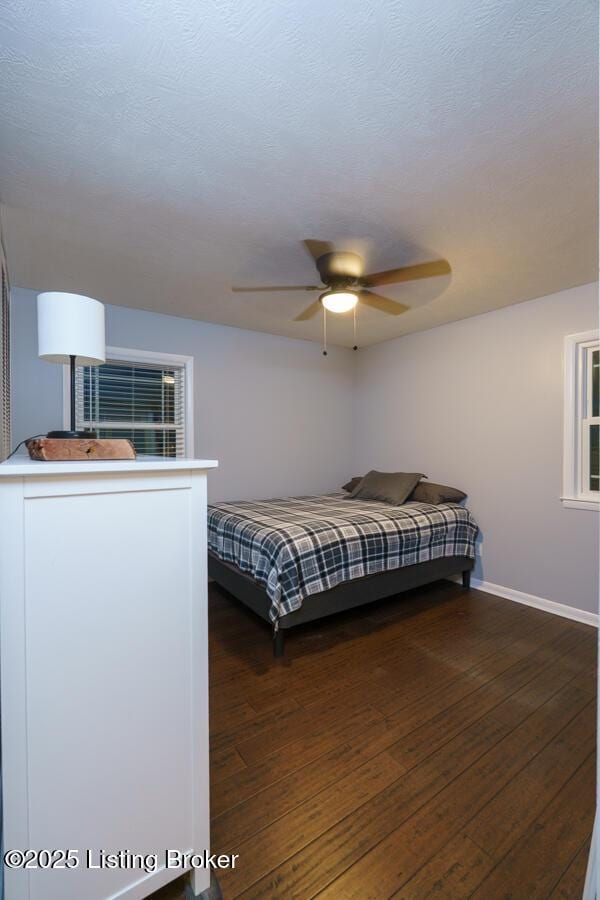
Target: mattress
[{"x": 299, "y": 546}]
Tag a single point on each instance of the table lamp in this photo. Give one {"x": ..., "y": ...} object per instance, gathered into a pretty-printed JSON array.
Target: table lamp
[{"x": 71, "y": 330}]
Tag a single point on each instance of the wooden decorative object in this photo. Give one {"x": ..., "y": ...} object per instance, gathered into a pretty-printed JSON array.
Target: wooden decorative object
[{"x": 53, "y": 449}]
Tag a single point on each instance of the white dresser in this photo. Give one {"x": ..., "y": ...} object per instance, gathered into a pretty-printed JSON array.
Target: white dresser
[{"x": 103, "y": 655}]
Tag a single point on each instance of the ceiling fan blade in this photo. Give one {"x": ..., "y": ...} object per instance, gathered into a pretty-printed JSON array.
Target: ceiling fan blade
[
  {"x": 383, "y": 304},
  {"x": 277, "y": 287},
  {"x": 408, "y": 273},
  {"x": 309, "y": 312},
  {"x": 318, "y": 248}
]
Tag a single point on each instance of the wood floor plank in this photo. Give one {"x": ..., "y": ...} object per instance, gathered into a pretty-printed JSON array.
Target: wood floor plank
[
  {"x": 431, "y": 745},
  {"x": 259, "y": 811},
  {"x": 383, "y": 739},
  {"x": 483, "y": 672},
  {"x": 570, "y": 884},
  {"x": 377, "y": 853},
  {"x": 460, "y": 699},
  {"x": 501, "y": 823},
  {"x": 510, "y": 696},
  {"x": 370, "y": 822},
  {"x": 312, "y": 818},
  {"x": 306, "y": 750},
  {"x": 257, "y": 747},
  {"x": 281, "y": 717},
  {"x": 227, "y": 718},
  {"x": 453, "y": 873},
  {"x": 224, "y": 763},
  {"x": 538, "y": 861}
]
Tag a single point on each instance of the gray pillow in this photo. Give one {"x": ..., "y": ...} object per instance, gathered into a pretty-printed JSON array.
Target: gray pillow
[
  {"x": 350, "y": 485},
  {"x": 428, "y": 492},
  {"x": 391, "y": 487}
]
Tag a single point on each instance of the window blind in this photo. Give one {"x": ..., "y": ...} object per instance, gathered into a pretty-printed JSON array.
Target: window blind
[{"x": 140, "y": 401}]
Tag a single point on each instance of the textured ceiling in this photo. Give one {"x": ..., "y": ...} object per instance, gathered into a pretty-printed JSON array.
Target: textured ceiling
[{"x": 155, "y": 152}]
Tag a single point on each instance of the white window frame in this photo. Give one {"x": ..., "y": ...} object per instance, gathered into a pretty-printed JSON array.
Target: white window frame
[
  {"x": 577, "y": 418},
  {"x": 123, "y": 354}
]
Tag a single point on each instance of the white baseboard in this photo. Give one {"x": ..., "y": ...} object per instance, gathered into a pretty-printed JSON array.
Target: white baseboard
[{"x": 558, "y": 609}]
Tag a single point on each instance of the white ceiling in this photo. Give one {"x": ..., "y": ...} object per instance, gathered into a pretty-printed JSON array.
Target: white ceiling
[{"x": 155, "y": 152}]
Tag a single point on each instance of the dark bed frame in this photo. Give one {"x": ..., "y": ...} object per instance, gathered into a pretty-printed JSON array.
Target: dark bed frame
[{"x": 345, "y": 596}]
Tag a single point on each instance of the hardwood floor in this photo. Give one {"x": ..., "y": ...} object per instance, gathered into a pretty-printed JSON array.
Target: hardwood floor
[{"x": 440, "y": 744}]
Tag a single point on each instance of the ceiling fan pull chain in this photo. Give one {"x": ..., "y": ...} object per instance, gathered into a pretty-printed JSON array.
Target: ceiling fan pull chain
[
  {"x": 355, "y": 327},
  {"x": 324, "y": 332}
]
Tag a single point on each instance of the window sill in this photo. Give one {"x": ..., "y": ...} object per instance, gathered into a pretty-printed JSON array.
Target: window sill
[{"x": 580, "y": 503}]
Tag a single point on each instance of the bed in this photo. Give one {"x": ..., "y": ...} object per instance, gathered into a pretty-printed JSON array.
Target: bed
[{"x": 297, "y": 559}]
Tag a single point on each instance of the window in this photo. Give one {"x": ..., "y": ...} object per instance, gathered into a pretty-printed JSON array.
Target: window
[
  {"x": 581, "y": 474},
  {"x": 140, "y": 395}
]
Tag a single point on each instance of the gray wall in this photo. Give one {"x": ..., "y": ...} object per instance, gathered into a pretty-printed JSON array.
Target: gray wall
[
  {"x": 274, "y": 412},
  {"x": 478, "y": 404}
]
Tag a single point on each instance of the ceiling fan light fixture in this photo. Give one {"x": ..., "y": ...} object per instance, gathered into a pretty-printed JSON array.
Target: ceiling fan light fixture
[{"x": 339, "y": 301}]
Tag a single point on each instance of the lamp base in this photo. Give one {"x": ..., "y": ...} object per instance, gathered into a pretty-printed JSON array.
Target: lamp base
[{"x": 79, "y": 435}]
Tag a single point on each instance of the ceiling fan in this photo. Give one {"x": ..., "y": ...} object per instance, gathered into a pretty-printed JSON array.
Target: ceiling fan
[{"x": 342, "y": 275}]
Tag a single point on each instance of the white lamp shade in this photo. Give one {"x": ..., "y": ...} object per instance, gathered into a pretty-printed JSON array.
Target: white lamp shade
[{"x": 71, "y": 325}]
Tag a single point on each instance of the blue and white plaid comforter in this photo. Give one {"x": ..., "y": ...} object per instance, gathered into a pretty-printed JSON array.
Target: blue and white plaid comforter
[{"x": 298, "y": 546}]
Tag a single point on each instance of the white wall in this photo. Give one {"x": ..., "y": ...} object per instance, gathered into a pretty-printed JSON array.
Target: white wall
[
  {"x": 274, "y": 412},
  {"x": 478, "y": 404}
]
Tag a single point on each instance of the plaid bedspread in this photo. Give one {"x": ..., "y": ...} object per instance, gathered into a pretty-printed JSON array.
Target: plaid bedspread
[{"x": 298, "y": 546}]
